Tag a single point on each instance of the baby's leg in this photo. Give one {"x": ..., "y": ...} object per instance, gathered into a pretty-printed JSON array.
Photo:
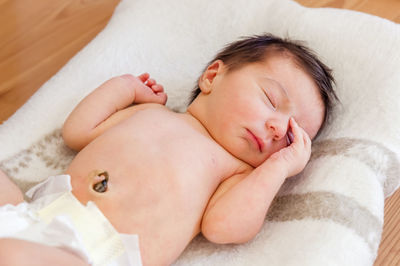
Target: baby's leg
[
  {"x": 21, "y": 252},
  {"x": 9, "y": 192}
]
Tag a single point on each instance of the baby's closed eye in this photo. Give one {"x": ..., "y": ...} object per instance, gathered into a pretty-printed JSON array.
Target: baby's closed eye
[{"x": 270, "y": 98}]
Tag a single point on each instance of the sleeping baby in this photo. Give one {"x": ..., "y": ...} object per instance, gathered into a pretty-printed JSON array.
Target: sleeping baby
[{"x": 146, "y": 180}]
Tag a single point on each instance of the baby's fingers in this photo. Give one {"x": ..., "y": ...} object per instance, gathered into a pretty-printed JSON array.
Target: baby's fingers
[
  {"x": 151, "y": 82},
  {"x": 143, "y": 77},
  {"x": 297, "y": 134},
  {"x": 161, "y": 98},
  {"x": 157, "y": 88},
  {"x": 148, "y": 96},
  {"x": 300, "y": 135}
]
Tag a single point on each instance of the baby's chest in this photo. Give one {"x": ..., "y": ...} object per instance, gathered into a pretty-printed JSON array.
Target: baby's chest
[{"x": 152, "y": 143}]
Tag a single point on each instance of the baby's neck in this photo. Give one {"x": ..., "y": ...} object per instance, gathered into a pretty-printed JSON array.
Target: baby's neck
[{"x": 194, "y": 118}]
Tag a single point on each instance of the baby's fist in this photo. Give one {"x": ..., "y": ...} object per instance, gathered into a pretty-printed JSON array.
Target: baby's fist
[
  {"x": 147, "y": 90},
  {"x": 294, "y": 157}
]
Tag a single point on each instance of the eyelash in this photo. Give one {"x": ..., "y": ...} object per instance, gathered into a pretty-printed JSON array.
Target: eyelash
[{"x": 269, "y": 99}]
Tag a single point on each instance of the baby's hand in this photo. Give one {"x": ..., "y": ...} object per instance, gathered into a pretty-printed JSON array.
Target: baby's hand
[
  {"x": 147, "y": 90},
  {"x": 294, "y": 157}
]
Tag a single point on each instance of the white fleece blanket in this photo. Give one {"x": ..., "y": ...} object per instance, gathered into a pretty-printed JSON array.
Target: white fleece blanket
[{"x": 332, "y": 213}]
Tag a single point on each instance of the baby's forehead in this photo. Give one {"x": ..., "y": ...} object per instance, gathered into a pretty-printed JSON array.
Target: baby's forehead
[
  {"x": 311, "y": 118},
  {"x": 280, "y": 52}
]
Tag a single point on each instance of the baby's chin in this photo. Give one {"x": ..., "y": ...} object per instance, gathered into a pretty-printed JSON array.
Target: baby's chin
[{"x": 255, "y": 161}]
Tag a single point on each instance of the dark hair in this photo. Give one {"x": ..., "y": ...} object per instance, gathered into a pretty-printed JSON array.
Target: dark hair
[{"x": 255, "y": 49}]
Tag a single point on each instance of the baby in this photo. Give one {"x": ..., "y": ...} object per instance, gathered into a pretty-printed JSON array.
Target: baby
[{"x": 167, "y": 176}]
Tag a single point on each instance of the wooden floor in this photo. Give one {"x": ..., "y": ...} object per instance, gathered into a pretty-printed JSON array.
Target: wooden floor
[{"x": 38, "y": 37}]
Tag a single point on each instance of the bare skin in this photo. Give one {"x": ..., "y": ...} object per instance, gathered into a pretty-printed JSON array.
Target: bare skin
[
  {"x": 20, "y": 252},
  {"x": 10, "y": 193},
  {"x": 214, "y": 169}
]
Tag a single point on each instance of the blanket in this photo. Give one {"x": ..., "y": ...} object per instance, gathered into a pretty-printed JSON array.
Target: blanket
[{"x": 331, "y": 213}]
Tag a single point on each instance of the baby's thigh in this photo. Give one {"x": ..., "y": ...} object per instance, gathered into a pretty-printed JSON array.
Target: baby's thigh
[
  {"x": 9, "y": 192},
  {"x": 21, "y": 252}
]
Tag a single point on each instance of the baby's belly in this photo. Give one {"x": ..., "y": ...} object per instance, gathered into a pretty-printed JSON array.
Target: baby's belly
[
  {"x": 162, "y": 207},
  {"x": 155, "y": 190}
]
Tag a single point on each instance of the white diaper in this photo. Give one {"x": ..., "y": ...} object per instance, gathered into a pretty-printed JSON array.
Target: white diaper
[{"x": 55, "y": 217}]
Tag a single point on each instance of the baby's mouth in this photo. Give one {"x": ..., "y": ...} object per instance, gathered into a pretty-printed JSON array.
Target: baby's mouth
[{"x": 257, "y": 140}]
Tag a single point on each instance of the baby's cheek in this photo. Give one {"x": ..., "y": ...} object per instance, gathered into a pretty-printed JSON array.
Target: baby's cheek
[{"x": 279, "y": 145}]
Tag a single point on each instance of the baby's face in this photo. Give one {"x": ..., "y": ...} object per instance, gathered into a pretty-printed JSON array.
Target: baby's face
[{"x": 249, "y": 108}]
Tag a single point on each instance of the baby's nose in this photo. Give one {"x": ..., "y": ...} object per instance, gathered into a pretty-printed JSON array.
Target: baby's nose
[{"x": 278, "y": 128}]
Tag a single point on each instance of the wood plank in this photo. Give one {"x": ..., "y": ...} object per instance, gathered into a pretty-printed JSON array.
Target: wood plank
[
  {"x": 389, "y": 9},
  {"x": 389, "y": 249},
  {"x": 38, "y": 37}
]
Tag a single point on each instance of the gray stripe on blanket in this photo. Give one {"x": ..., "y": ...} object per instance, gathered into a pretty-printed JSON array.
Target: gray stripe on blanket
[
  {"x": 328, "y": 206},
  {"x": 49, "y": 153},
  {"x": 375, "y": 155}
]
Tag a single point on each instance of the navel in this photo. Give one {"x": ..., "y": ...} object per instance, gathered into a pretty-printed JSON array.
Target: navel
[{"x": 102, "y": 185}]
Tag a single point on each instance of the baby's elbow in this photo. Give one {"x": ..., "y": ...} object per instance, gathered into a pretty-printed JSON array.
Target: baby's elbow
[
  {"x": 213, "y": 235},
  {"x": 224, "y": 234},
  {"x": 71, "y": 138}
]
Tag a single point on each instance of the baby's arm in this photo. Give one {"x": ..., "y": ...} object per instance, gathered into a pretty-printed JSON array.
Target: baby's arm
[
  {"x": 107, "y": 106},
  {"x": 237, "y": 209},
  {"x": 9, "y": 192}
]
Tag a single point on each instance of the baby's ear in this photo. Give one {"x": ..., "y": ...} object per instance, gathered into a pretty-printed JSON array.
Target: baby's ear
[{"x": 208, "y": 77}]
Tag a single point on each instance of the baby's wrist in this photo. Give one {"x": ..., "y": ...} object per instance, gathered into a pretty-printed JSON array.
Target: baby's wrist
[{"x": 277, "y": 168}]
